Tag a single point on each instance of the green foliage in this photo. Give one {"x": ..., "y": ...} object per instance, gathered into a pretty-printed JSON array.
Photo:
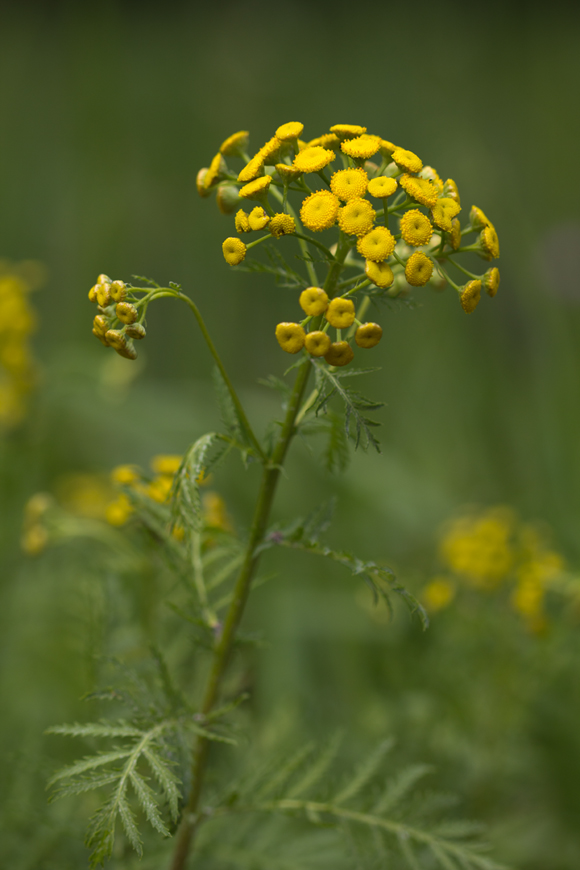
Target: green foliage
[{"x": 358, "y": 426}]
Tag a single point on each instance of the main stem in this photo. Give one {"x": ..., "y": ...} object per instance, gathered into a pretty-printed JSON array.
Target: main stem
[{"x": 222, "y": 651}]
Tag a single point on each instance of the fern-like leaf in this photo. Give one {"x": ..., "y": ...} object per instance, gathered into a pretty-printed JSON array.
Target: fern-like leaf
[{"x": 358, "y": 426}]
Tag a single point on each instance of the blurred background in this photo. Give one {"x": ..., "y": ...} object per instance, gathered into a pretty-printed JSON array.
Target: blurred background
[{"x": 108, "y": 110}]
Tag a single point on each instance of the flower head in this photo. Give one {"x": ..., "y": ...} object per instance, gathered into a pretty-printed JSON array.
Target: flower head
[
  {"x": 420, "y": 189},
  {"x": 418, "y": 269},
  {"x": 407, "y": 160},
  {"x": 166, "y": 463},
  {"x": 252, "y": 169},
  {"x": 319, "y": 210},
  {"x": 125, "y": 475},
  {"x": 376, "y": 245},
  {"x": 235, "y": 144},
  {"x": 126, "y": 312},
  {"x": 368, "y": 335},
  {"x": 489, "y": 243},
  {"x": 349, "y": 183},
  {"x": 455, "y": 234},
  {"x": 347, "y": 131},
  {"x": 313, "y": 158},
  {"x": 317, "y": 343},
  {"x": 328, "y": 140},
  {"x": 216, "y": 167},
  {"x": 119, "y": 511},
  {"x": 380, "y": 274},
  {"x": 340, "y": 353},
  {"x": 282, "y": 224},
  {"x": 228, "y": 198},
  {"x": 200, "y": 182},
  {"x": 313, "y": 301},
  {"x": 382, "y": 187},
  {"x": 117, "y": 291},
  {"x": 234, "y": 251},
  {"x": 478, "y": 218},
  {"x": 291, "y": 130},
  {"x": 340, "y": 312},
  {"x": 386, "y": 148},
  {"x": 241, "y": 221},
  {"x": 270, "y": 150},
  {"x": 470, "y": 296},
  {"x": 450, "y": 190},
  {"x": 356, "y": 217},
  {"x": 288, "y": 173},
  {"x": 290, "y": 337},
  {"x": 444, "y": 211},
  {"x": 416, "y": 228},
  {"x": 256, "y": 189},
  {"x": 362, "y": 147},
  {"x": 431, "y": 174},
  {"x": 258, "y": 219},
  {"x": 491, "y": 281}
]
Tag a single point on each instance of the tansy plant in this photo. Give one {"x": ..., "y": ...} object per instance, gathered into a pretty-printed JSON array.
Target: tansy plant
[{"x": 363, "y": 221}]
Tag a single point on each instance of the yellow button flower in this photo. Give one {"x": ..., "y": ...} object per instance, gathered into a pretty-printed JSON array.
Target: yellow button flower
[
  {"x": 216, "y": 168},
  {"x": 362, "y": 147},
  {"x": 340, "y": 312},
  {"x": 258, "y": 219},
  {"x": 317, "y": 343},
  {"x": 455, "y": 234},
  {"x": 270, "y": 150},
  {"x": 368, "y": 335},
  {"x": 282, "y": 225},
  {"x": 376, "y": 245},
  {"x": 93, "y": 293},
  {"x": 235, "y": 144},
  {"x": 289, "y": 173},
  {"x": 241, "y": 221},
  {"x": 347, "y": 130},
  {"x": 478, "y": 218},
  {"x": 319, "y": 210},
  {"x": 100, "y": 324},
  {"x": 125, "y": 474},
  {"x": 291, "y": 130},
  {"x": 290, "y": 337},
  {"x": 313, "y": 158},
  {"x": 439, "y": 593},
  {"x": 416, "y": 228},
  {"x": 470, "y": 296},
  {"x": 489, "y": 243},
  {"x": 443, "y": 213},
  {"x": 386, "y": 148},
  {"x": 357, "y": 217},
  {"x": 418, "y": 269},
  {"x": 380, "y": 274},
  {"x": 118, "y": 291},
  {"x": 340, "y": 353},
  {"x": 491, "y": 281},
  {"x": 421, "y": 189},
  {"x": 431, "y": 174},
  {"x": 126, "y": 312},
  {"x": 234, "y": 251},
  {"x": 256, "y": 189},
  {"x": 450, "y": 190},
  {"x": 252, "y": 169},
  {"x": 135, "y": 330},
  {"x": 159, "y": 489},
  {"x": 349, "y": 184},
  {"x": 166, "y": 463},
  {"x": 382, "y": 187},
  {"x": 407, "y": 160},
  {"x": 313, "y": 301},
  {"x": 329, "y": 140}
]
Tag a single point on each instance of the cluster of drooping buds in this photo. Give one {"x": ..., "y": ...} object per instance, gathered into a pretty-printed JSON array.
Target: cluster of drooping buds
[
  {"x": 359, "y": 199},
  {"x": 118, "y": 323}
]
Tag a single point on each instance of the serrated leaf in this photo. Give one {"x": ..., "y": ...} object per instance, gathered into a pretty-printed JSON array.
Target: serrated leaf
[
  {"x": 166, "y": 779},
  {"x": 129, "y": 824},
  {"x": 357, "y": 425},
  {"x": 146, "y": 796},
  {"x": 89, "y": 763},
  {"x": 284, "y": 772},
  {"x": 316, "y": 769},
  {"x": 96, "y": 729},
  {"x": 400, "y": 786},
  {"x": 365, "y": 772}
]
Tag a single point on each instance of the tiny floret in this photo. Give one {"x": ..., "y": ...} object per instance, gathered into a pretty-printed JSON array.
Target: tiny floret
[
  {"x": 418, "y": 269},
  {"x": 470, "y": 296},
  {"x": 443, "y": 213},
  {"x": 317, "y": 343},
  {"x": 347, "y": 130},
  {"x": 340, "y": 353},
  {"x": 282, "y": 225},
  {"x": 291, "y": 130},
  {"x": 349, "y": 184},
  {"x": 376, "y": 245},
  {"x": 357, "y": 217},
  {"x": 319, "y": 210},
  {"x": 368, "y": 335},
  {"x": 242, "y": 222},
  {"x": 270, "y": 150},
  {"x": 489, "y": 243},
  {"x": 313, "y": 301},
  {"x": 416, "y": 228},
  {"x": 362, "y": 147},
  {"x": 258, "y": 219},
  {"x": 450, "y": 189},
  {"x": 313, "y": 159},
  {"x": 407, "y": 160},
  {"x": 380, "y": 274},
  {"x": 252, "y": 169},
  {"x": 234, "y": 251},
  {"x": 382, "y": 187},
  {"x": 340, "y": 312},
  {"x": 235, "y": 144},
  {"x": 256, "y": 189},
  {"x": 290, "y": 337},
  {"x": 125, "y": 475},
  {"x": 420, "y": 189}
]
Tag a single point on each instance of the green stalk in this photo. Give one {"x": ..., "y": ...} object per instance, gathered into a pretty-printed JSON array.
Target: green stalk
[{"x": 223, "y": 648}]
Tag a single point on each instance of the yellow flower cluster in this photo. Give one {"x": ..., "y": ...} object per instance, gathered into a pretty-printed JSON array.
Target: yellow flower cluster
[
  {"x": 17, "y": 323},
  {"x": 357, "y": 199},
  {"x": 118, "y": 323},
  {"x": 494, "y": 550}
]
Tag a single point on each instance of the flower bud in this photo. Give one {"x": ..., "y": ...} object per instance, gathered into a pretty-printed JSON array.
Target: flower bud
[
  {"x": 93, "y": 293},
  {"x": 126, "y": 312},
  {"x": 368, "y": 335},
  {"x": 199, "y": 183},
  {"x": 290, "y": 337},
  {"x": 100, "y": 324},
  {"x": 118, "y": 291},
  {"x": 340, "y": 313},
  {"x": 313, "y": 301},
  {"x": 103, "y": 279},
  {"x": 470, "y": 296},
  {"x": 135, "y": 330},
  {"x": 103, "y": 295},
  {"x": 228, "y": 198},
  {"x": 339, "y": 354},
  {"x": 317, "y": 343}
]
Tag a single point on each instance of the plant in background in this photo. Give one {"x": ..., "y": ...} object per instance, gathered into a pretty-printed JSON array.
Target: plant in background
[{"x": 392, "y": 224}]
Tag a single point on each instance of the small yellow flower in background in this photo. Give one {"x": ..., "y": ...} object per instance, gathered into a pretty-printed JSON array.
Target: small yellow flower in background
[
  {"x": 443, "y": 213},
  {"x": 282, "y": 225},
  {"x": 313, "y": 158},
  {"x": 235, "y": 144},
  {"x": 349, "y": 183},
  {"x": 340, "y": 353},
  {"x": 418, "y": 269},
  {"x": 319, "y": 210},
  {"x": 241, "y": 221},
  {"x": 253, "y": 169},
  {"x": 291, "y": 130},
  {"x": 480, "y": 547},
  {"x": 357, "y": 217},
  {"x": 470, "y": 296},
  {"x": 119, "y": 511},
  {"x": 317, "y": 343},
  {"x": 431, "y": 174},
  {"x": 477, "y": 217},
  {"x": 257, "y": 188},
  {"x": 368, "y": 335},
  {"x": 234, "y": 251},
  {"x": 125, "y": 475},
  {"x": 438, "y": 594},
  {"x": 290, "y": 337},
  {"x": 407, "y": 160},
  {"x": 84, "y": 494},
  {"x": 382, "y": 187},
  {"x": 340, "y": 313},
  {"x": 362, "y": 147},
  {"x": 420, "y": 189},
  {"x": 289, "y": 173},
  {"x": 455, "y": 234},
  {"x": 380, "y": 274},
  {"x": 328, "y": 140},
  {"x": 347, "y": 130},
  {"x": 416, "y": 228},
  {"x": 215, "y": 514},
  {"x": 258, "y": 219},
  {"x": 451, "y": 191},
  {"x": 491, "y": 281},
  {"x": 376, "y": 245},
  {"x": 489, "y": 243},
  {"x": 37, "y": 506},
  {"x": 216, "y": 168},
  {"x": 159, "y": 489},
  {"x": 313, "y": 301},
  {"x": 166, "y": 463},
  {"x": 34, "y": 540}
]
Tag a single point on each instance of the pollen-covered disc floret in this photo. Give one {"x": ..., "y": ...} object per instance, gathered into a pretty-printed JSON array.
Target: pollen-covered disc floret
[
  {"x": 470, "y": 296},
  {"x": 319, "y": 210},
  {"x": 256, "y": 189},
  {"x": 340, "y": 312},
  {"x": 357, "y": 217},
  {"x": 418, "y": 269},
  {"x": 288, "y": 132},
  {"x": 282, "y": 225},
  {"x": 362, "y": 147},
  {"x": 349, "y": 184},
  {"x": 380, "y": 274},
  {"x": 420, "y": 189},
  {"x": 313, "y": 158},
  {"x": 443, "y": 212},
  {"x": 416, "y": 228},
  {"x": 258, "y": 219},
  {"x": 368, "y": 335},
  {"x": 407, "y": 160},
  {"x": 234, "y": 251},
  {"x": 376, "y": 245},
  {"x": 382, "y": 187}
]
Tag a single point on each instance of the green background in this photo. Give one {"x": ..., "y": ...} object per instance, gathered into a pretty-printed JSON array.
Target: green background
[{"x": 107, "y": 112}]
